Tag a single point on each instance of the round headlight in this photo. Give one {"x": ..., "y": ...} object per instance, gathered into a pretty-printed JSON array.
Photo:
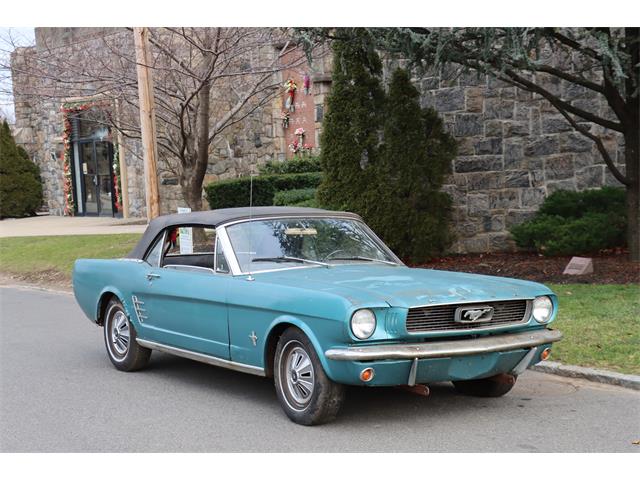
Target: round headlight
[
  {"x": 542, "y": 309},
  {"x": 363, "y": 323}
]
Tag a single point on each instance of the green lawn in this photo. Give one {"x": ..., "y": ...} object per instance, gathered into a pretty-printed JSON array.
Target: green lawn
[
  {"x": 53, "y": 257},
  {"x": 601, "y": 323},
  {"x": 601, "y": 326}
]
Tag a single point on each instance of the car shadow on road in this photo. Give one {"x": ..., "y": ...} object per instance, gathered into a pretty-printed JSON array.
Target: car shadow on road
[{"x": 384, "y": 404}]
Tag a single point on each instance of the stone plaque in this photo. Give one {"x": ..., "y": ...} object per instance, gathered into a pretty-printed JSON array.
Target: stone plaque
[{"x": 579, "y": 266}]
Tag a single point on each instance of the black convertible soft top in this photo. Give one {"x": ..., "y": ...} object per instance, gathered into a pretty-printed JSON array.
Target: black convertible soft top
[{"x": 214, "y": 218}]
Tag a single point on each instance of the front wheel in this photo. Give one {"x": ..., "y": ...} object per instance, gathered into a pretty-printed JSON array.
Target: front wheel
[
  {"x": 496, "y": 386},
  {"x": 306, "y": 394},
  {"x": 120, "y": 339}
]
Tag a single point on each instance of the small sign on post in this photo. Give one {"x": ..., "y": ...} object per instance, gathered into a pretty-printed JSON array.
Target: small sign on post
[
  {"x": 186, "y": 235},
  {"x": 579, "y": 266}
]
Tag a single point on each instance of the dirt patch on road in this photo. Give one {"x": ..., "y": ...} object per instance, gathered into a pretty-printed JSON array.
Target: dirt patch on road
[
  {"x": 50, "y": 279},
  {"x": 614, "y": 267}
]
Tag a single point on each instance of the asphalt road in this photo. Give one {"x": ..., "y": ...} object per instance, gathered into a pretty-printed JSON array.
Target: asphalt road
[{"x": 59, "y": 392}]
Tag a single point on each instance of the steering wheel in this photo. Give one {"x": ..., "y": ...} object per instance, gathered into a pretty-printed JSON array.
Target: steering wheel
[{"x": 332, "y": 254}]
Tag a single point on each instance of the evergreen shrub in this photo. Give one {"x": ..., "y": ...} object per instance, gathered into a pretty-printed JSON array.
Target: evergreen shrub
[
  {"x": 574, "y": 223},
  {"x": 296, "y": 165},
  {"x": 383, "y": 156},
  {"x": 20, "y": 185},
  {"x": 294, "y": 197},
  {"x": 235, "y": 192}
]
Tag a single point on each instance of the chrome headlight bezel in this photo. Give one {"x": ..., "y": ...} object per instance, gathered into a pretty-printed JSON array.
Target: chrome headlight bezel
[
  {"x": 363, "y": 323},
  {"x": 542, "y": 309}
]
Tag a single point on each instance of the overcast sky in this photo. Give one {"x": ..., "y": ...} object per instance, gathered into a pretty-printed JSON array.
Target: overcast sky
[{"x": 9, "y": 39}]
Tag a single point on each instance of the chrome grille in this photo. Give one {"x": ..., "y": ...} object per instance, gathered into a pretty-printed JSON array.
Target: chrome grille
[{"x": 442, "y": 317}]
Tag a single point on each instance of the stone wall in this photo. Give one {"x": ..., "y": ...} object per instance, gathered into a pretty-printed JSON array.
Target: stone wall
[
  {"x": 514, "y": 149},
  {"x": 38, "y": 128}
]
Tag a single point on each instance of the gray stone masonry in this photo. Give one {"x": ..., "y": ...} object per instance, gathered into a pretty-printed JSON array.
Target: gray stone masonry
[{"x": 514, "y": 149}]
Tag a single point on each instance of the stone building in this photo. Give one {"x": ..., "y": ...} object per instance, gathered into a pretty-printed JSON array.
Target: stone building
[
  {"x": 57, "y": 111},
  {"x": 514, "y": 148}
]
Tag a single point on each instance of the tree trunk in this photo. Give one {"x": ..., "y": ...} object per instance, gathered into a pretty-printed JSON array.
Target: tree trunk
[
  {"x": 632, "y": 144},
  {"x": 632, "y": 166},
  {"x": 191, "y": 188},
  {"x": 192, "y": 176}
]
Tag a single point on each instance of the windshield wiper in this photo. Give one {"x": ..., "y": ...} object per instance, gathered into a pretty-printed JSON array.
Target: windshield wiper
[
  {"x": 367, "y": 259},
  {"x": 289, "y": 259}
]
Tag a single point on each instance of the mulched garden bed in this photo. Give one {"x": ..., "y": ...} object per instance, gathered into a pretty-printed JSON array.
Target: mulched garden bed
[{"x": 613, "y": 267}]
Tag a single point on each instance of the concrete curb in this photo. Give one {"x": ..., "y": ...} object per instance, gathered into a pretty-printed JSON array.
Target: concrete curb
[{"x": 600, "y": 376}]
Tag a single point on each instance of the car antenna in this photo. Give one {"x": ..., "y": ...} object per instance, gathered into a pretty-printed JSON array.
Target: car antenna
[{"x": 250, "y": 277}]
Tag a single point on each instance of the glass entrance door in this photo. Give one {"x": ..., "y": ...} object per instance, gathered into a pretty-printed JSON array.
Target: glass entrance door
[{"x": 97, "y": 177}]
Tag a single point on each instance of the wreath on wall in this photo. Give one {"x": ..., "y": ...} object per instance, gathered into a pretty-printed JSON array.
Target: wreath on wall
[{"x": 68, "y": 109}]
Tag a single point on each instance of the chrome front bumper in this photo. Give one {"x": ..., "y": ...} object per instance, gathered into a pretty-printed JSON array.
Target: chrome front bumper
[{"x": 451, "y": 348}]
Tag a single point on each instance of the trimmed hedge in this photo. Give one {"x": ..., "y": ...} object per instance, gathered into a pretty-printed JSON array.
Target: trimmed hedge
[
  {"x": 235, "y": 192},
  {"x": 570, "y": 204},
  {"x": 573, "y": 223},
  {"x": 294, "y": 197},
  {"x": 297, "y": 165},
  {"x": 311, "y": 203}
]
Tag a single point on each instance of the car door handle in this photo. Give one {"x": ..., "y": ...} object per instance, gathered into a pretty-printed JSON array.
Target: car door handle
[{"x": 151, "y": 276}]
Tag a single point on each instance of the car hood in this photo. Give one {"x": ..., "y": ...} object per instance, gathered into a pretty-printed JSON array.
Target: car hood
[{"x": 399, "y": 286}]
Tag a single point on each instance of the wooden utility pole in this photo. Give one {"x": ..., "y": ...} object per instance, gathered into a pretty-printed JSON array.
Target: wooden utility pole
[
  {"x": 124, "y": 179},
  {"x": 147, "y": 120}
]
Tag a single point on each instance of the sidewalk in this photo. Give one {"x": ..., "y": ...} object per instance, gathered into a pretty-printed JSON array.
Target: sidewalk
[{"x": 55, "y": 225}]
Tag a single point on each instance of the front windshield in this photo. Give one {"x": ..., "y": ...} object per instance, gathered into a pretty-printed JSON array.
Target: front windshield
[{"x": 290, "y": 242}]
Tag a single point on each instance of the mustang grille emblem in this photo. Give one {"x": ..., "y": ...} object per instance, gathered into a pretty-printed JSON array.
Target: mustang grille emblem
[{"x": 474, "y": 314}]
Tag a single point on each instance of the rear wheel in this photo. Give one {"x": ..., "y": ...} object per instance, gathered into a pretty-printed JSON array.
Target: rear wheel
[
  {"x": 306, "y": 394},
  {"x": 496, "y": 386},
  {"x": 120, "y": 339}
]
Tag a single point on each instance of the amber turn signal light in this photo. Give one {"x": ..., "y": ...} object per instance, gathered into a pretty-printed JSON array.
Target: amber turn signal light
[
  {"x": 367, "y": 374},
  {"x": 545, "y": 354}
]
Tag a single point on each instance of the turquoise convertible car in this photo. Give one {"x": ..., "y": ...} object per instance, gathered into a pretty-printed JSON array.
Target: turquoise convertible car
[{"x": 315, "y": 300}]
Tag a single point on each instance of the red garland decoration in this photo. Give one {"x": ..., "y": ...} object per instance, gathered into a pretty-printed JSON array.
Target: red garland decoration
[{"x": 69, "y": 207}]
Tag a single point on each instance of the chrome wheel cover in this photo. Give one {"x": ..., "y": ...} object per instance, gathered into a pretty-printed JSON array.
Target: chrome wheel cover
[
  {"x": 119, "y": 333},
  {"x": 297, "y": 377}
]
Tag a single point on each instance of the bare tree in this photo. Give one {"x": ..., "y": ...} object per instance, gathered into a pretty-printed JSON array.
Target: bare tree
[
  {"x": 206, "y": 80},
  {"x": 10, "y": 39}
]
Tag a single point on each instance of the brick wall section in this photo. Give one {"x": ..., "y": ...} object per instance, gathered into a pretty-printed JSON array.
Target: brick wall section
[{"x": 514, "y": 150}]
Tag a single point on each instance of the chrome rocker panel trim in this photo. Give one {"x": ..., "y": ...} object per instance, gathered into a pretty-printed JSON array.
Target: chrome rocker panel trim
[
  {"x": 453, "y": 348},
  {"x": 201, "y": 357}
]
